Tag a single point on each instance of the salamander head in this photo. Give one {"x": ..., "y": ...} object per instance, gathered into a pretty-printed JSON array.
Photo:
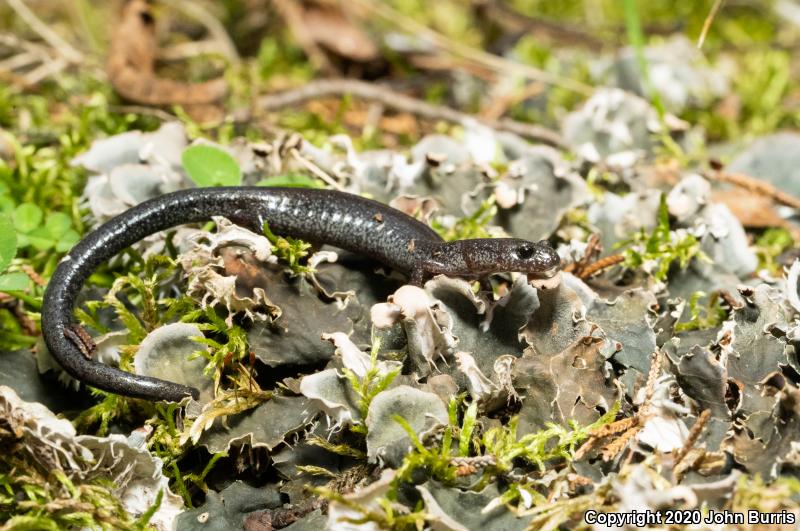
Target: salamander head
[
  {"x": 496, "y": 255},
  {"x": 535, "y": 258}
]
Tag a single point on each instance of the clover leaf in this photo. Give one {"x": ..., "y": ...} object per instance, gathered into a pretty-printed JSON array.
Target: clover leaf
[
  {"x": 210, "y": 166},
  {"x": 8, "y": 249},
  {"x": 55, "y": 233}
]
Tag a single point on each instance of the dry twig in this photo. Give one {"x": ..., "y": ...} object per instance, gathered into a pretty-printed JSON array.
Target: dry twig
[
  {"x": 32, "y": 64},
  {"x": 61, "y": 46},
  {"x": 694, "y": 434},
  {"x": 466, "y": 466},
  {"x": 585, "y": 268},
  {"x": 442, "y": 63},
  {"x": 501, "y": 104},
  {"x": 756, "y": 186},
  {"x": 627, "y": 427},
  {"x": 281, "y": 517},
  {"x": 599, "y": 265},
  {"x": 615, "y": 447},
  {"x": 316, "y": 170},
  {"x": 33, "y": 275},
  {"x": 17, "y": 307},
  {"x": 400, "y": 102},
  {"x": 652, "y": 377},
  {"x": 592, "y": 250},
  {"x": 224, "y": 43},
  {"x": 729, "y": 299},
  {"x": 707, "y": 24}
]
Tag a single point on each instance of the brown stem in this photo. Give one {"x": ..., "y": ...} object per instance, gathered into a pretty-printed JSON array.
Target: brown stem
[
  {"x": 694, "y": 434},
  {"x": 756, "y": 186},
  {"x": 400, "y": 102},
  {"x": 33, "y": 275},
  {"x": 603, "y": 263}
]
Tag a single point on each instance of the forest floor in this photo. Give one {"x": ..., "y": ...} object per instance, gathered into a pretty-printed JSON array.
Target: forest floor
[{"x": 655, "y": 381}]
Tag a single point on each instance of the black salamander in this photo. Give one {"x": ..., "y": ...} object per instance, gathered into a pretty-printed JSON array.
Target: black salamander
[{"x": 339, "y": 219}]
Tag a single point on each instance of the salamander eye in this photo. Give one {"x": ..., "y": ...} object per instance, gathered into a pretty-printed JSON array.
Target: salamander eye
[
  {"x": 147, "y": 17},
  {"x": 525, "y": 252}
]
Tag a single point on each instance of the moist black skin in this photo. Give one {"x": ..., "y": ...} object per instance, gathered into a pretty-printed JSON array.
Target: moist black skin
[{"x": 340, "y": 219}]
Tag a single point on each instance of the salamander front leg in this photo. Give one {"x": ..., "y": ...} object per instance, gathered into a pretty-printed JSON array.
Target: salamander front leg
[
  {"x": 486, "y": 284},
  {"x": 417, "y": 276}
]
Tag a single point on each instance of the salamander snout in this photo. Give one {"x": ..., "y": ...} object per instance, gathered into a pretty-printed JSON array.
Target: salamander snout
[{"x": 536, "y": 258}]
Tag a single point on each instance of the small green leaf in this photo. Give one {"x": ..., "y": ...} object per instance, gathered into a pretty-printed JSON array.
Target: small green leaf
[
  {"x": 8, "y": 242},
  {"x": 291, "y": 180},
  {"x": 27, "y": 217},
  {"x": 14, "y": 282},
  {"x": 210, "y": 166},
  {"x": 466, "y": 431},
  {"x": 41, "y": 239},
  {"x": 67, "y": 241},
  {"x": 57, "y": 224},
  {"x": 6, "y": 205}
]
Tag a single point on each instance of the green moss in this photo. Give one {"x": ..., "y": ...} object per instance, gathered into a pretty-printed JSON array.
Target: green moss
[
  {"x": 703, "y": 317},
  {"x": 472, "y": 226},
  {"x": 662, "y": 247},
  {"x": 338, "y": 449},
  {"x": 501, "y": 446},
  {"x": 111, "y": 408},
  {"x": 165, "y": 443},
  {"x": 373, "y": 382},
  {"x": 770, "y": 246},
  {"x": 227, "y": 344},
  {"x": 555, "y": 442},
  {"x": 35, "y": 498},
  {"x": 290, "y": 250},
  {"x": 762, "y": 99}
]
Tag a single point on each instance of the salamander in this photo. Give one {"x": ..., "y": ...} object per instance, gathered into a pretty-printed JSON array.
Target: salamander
[{"x": 340, "y": 219}]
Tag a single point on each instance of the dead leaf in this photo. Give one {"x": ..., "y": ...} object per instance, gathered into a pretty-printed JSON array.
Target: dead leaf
[
  {"x": 131, "y": 65},
  {"x": 750, "y": 209},
  {"x": 331, "y": 29}
]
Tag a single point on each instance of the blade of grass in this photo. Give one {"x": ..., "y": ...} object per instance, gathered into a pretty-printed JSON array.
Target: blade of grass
[
  {"x": 636, "y": 39},
  {"x": 707, "y": 23}
]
